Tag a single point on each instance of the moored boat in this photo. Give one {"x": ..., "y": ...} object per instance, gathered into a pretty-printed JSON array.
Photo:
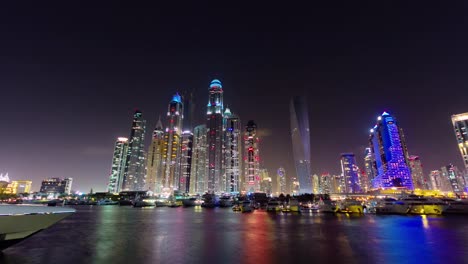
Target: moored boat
[{"x": 350, "y": 206}]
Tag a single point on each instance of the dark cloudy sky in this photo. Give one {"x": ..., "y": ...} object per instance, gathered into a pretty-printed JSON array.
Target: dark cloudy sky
[{"x": 71, "y": 76}]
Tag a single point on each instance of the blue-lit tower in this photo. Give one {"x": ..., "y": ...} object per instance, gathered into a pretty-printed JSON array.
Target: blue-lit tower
[
  {"x": 215, "y": 136},
  {"x": 172, "y": 142},
  {"x": 388, "y": 148},
  {"x": 300, "y": 136}
]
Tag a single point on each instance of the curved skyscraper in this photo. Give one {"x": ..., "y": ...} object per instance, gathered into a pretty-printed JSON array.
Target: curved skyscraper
[
  {"x": 214, "y": 125},
  {"x": 134, "y": 176},
  {"x": 300, "y": 136}
]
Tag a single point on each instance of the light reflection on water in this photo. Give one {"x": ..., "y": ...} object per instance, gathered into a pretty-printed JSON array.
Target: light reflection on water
[{"x": 113, "y": 234}]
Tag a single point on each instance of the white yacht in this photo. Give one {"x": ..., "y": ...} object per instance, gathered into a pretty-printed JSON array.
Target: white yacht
[
  {"x": 391, "y": 206},
  {"x": 350, "y": 206},
  {"x": 423, "y": 206},
  {"x": 225, "y": 201},
  {"x": 18, "y": 222}
]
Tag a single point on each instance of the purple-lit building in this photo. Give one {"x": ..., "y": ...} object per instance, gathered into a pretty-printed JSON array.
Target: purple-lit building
[{"x": 388, "y": 147}]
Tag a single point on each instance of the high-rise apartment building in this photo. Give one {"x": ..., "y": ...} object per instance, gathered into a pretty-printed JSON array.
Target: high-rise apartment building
[
  {"x": 419, "y": 181},
  {"x": 389, "y": 150},
  {"x": 439, "y": 181},
  {"x": 315, "y": 184},
  {"x": 118, "y": 165},
  {"x": 134, "y": 174},
  {"x": 460, "y": 126},
  {"x": 326, "y": 183},
  {"x": 215, "y": 136},
  {"x": 350, "y": 174},
  {"x": 186, "y": 161},
  {"x": 281, "y": 180},
  {"x": 232, "y": 152},
  {"x": 300, "y": 135},
  {"x": 252, "y": 158},
  {"x": 199, "y": 174},
  {"x": 154, "y": 166},
  {"x": 370, "y": 168},
  {"x": 172, "y": 145},
  {"x": 451, "y": 173}
]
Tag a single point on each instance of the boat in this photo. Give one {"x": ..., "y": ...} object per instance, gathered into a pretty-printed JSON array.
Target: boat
[
  {"x": 327, "y": 206},
  {"x": 189, "y": 202},
  {"x": 455, "y": 206},
  {"x": 294, "y": 206},
  {"x": 18, "y": 222},
  {"x": 350, "y": 206},
  {"x": 107, "y": 202},
  {"x": 172, "y": 202},
  {"x": 209, "y": 200},
  {"x": 390, "y": 206},
  {"x": 274, "y": 206},
  {"x": 246, "y": 206},
  {"x": 225, "y": 201},
  {"x": 423, "y": 206},
  {"x": 236, "y": 207},
  {"x": 144, "y": 203}
]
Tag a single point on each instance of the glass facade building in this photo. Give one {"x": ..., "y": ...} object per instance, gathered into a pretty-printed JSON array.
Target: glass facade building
[
  {"x": 251, "y": 158},
  {"x": 215, "y": 136},
  {"x": 199, "y": 173},
  {"x": 154, "y": 167},
  {"x": 118, "y": 165},
  {"x": 232, "y": 152},
  {"x": 460, "y": 126},
  {"x": 300, "y": 135},
  {"x": 388, "y": 148},
  {"x": 172, "y": 148},
  {"x": 134, "y": 175},
  {"x": 350, "y": 174}
]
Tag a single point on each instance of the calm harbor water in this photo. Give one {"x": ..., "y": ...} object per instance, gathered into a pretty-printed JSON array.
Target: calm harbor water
[{"x": 113, "y": 234}]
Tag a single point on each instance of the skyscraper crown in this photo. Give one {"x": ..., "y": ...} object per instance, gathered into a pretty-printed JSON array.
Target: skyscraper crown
[{"x": 215, "y": 83}]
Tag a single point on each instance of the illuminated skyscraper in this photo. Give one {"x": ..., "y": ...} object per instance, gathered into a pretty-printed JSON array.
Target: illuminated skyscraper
[
  {"x": 460, "y": 125},
  {"x": 172, "y": 141},
  {"x": 281, "y": 174},
  {"x": 251, "y": 157},
  {"x": 154, "y": 167},
  {"x": 439, "y": 181},
  {"x": 326, "y": 183},
  {"x": 295, "y": 186},
  {"x": 118, "y": 165},
  {"x": 455, "y": 179},
  {"x": 417, "y": 174},
  {"x": 350, "y": 174},
  {"x": 215, "y": 136},
  {"x": 232, "y": 151},
  {"x": 186, "y": 161},
  {"x": 388, "y": 147},
  {"x": 199, "y": 174},
  {"x": 301, "y": 142},
  {"x": 315, "y": 183},
  {"x": 134, "y": 175},
  {"x": 370, "y": 167}
]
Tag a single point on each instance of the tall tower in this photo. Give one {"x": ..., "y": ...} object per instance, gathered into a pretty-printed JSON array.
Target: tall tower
[
  {"x": 388, "y": 147},
  {"x": 118, "y": 165},
  {"x": 172, "y": 141},
  {"x": 350, "y": 173},
  {"x": 214, "y": 127},
  {"x": 301, "y": 142},
  {"x": 134, "y": 176},
  {"x": 450, "y": 172},
  {"x": 281, "y": 179},
  {"x": 417, "y": 174},
  {"x": 370, "y": 167},
  {"x": 251, "y": 157},
  {"x": 154, "y": 168},
  {"x": 232, "y": 151},
  {"x": 460, "y": 126},
  {"x": 326, "y": 183},
  {"x": 199, "y": 173},
  {"x": 186, "y": 161}
]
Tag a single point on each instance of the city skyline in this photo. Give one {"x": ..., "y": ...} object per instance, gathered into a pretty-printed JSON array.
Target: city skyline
[{"x": 82, "y": 79}]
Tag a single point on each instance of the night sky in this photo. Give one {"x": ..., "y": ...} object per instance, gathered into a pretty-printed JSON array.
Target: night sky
[{"x": 72, "y": 75}]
